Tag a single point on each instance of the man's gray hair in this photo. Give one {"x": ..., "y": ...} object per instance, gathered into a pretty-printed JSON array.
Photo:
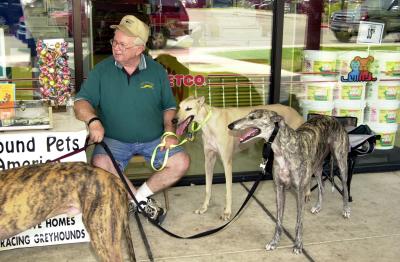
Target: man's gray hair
[{"x": 138, "y": 41}]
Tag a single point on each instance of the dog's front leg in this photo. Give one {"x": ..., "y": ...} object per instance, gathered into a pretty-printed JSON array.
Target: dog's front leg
[
  {"x": 210, "y": 158},
  {"x": 298, "y": 244},
  {"x": 227, "y": 162},
  {"x": 280, "y": 208}
]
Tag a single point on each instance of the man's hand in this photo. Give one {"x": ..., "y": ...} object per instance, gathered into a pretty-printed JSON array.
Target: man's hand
[
  {"x": 169, "y": 140},
  {"x": 85, "y": 112},
  {"x": 96, "y": 132}
]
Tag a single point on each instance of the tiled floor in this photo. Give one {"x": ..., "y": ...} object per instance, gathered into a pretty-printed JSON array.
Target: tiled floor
[{"x": 371, "y": 234}]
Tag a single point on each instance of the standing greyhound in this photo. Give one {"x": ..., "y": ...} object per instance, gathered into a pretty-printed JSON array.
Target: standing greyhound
[
  {"x": 32, "y": 194},
  {"x": 298, "y": 154},
  {"x": 217, "y": 140}
]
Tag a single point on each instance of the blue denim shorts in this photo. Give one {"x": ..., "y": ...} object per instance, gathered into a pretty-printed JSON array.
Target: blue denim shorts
[{"x": 123, "y": 152}]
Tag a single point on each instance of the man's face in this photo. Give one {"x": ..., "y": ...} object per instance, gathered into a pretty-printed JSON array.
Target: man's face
[{"x": 123, "y": 48}]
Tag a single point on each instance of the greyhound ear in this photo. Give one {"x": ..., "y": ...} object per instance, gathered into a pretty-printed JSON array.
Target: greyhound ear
[
  {"x": 370, "y": 58},
  {"x": 276, "y": 118},
  {"x": 201, "y": 100},
  {"x": 357, "y": 58}
]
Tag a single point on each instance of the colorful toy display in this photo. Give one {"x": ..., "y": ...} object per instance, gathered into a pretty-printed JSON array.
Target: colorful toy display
[{"x": 55, "y": 75}]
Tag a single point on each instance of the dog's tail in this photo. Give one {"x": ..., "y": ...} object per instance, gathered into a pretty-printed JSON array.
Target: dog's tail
[{"x": 128, "y": 238}]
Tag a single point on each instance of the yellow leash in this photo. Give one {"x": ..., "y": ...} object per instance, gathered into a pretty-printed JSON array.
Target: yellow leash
[
  {"x": 202, "y": 123},
  {"x": 163, "y": 139},
  {"x": 163, "y": 142}
]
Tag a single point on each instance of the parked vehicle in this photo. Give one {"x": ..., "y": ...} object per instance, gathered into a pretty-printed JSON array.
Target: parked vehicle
[
  {"x": 10, "y": 12},
  {"x": 344, "y": 24},
  {"x": 168, "y": 19}
]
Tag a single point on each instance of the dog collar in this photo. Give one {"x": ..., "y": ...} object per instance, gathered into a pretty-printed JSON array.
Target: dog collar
[
  {"x": 200, "y": 125},
  {"x": 274, "y": 133},
  {"x": 267, "y": 146}
]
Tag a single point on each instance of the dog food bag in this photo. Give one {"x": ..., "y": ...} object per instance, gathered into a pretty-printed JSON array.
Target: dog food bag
[
  {"x": 383, "y": 90},
  {"x": 318, "y": 88},
  {"x": 382, "y": 112},
  {"x": 387, "y": 133},
  {"x": 316, "y": 107},
  {"x": 386, "y": 65},
  {"x": 350, "y": 108},
  {"x": 318, "y": 62},
  {"x": 350, "y": 91}
]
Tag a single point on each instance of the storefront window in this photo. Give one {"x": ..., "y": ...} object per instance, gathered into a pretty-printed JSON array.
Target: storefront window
[
  {"x": 345, "y": 60},
  {"x": 22, "y": 25},
  {"x": 340, "y": 57}
]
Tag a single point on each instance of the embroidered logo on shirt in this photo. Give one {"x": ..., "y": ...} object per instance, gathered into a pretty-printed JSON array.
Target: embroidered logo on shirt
[{"x": 146, "y": 85}]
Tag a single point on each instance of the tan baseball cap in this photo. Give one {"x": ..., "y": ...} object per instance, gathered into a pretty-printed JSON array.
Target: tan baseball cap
[{"x": 132, "y": 26}]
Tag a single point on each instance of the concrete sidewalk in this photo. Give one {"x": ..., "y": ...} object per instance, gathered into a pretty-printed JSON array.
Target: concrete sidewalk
[{"x": 371, "y": 234}]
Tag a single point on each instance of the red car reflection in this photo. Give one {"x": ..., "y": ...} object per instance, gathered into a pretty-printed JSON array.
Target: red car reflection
[{"x": 168, "y": 19}]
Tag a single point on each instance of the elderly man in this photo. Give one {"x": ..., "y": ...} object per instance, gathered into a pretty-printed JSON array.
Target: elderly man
[{"x": 127, "y": 102}]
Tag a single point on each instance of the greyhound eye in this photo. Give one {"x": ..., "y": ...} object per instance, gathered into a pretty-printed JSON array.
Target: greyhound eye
[
  {"x": 251, "y": 117},
  {"x": 188, "y": 109}
]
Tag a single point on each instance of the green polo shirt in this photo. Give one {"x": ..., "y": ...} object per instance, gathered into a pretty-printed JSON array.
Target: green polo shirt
[{"x": 131, "y": 108}]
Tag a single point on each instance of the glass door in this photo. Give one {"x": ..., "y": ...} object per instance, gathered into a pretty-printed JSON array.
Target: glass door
[{"x": 343, "y": 59}]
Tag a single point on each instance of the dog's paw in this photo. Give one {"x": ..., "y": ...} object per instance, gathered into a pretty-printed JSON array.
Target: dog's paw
[
  {"x": 271, "y": 246},
  {"x": 346, "y": 212},
  {"x": 315, "y": 210},
  {"x": 297, "y": 250},
  {"x": 201, "y": 210},
  {"x": 225, "y": 216}
]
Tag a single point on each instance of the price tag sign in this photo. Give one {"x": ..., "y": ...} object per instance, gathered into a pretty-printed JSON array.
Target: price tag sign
[{"x": 370, "y": 33}]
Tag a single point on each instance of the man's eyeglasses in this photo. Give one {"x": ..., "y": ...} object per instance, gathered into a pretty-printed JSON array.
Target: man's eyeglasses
[{"x": 122, "y": 46}]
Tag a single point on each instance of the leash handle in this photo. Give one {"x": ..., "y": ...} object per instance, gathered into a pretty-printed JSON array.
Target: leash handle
[
  {"x": 166, "y": 134},
  {"x": 163, "y": 143}
]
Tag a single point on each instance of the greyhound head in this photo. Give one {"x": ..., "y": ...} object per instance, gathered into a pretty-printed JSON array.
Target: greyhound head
[
  {"x": 189, "y": 111},
  {"x": 257, "y": 124}
]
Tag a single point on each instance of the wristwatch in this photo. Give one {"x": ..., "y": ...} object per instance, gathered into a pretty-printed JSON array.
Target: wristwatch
[{"x": 92, "y": 120}]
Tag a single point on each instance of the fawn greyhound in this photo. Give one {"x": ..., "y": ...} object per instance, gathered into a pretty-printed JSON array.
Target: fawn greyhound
[
  {"x": 298, "y": 154},
  {"x": 32, "y": 194},
  {"x": 217, "y": 140}
]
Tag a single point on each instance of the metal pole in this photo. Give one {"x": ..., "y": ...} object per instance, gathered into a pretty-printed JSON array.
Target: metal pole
[
  {"x": 77, "y": 35},
  {"x": 276, "y": 51}
]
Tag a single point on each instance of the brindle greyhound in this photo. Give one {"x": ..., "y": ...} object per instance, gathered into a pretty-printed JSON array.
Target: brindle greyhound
[
  {"x": 32, "y": 194},
  {"x": 298, "y": 154}
]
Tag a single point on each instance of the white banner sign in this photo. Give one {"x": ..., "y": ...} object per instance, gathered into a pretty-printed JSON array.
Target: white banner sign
[
  {"x": 21, "y": 149},
  {"x": 57, "y": 230}
]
